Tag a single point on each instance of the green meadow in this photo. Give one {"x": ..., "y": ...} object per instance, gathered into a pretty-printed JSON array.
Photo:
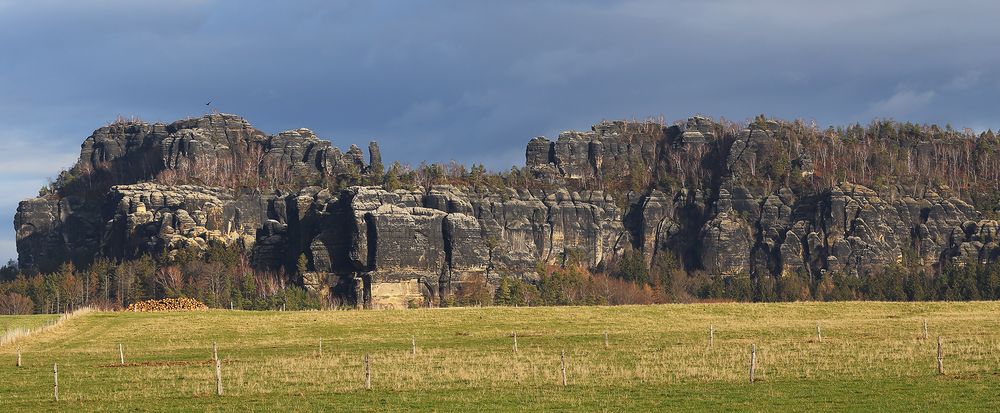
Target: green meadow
[{"x": 865, "y": 356}]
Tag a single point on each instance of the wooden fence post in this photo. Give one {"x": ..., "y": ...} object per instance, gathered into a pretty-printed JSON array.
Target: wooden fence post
[
  {"x": 711, "y": 335},
  {"x": 925, "y": 329},
  {"x": 940, "y": 357},
  {"x": 606, "y": 339},
  {"x": 819, "y": 333},
  {"x": 753, "y": 361},
  {"x": 413, "y": 345},
  {"x": 515, "y": 341},
  {"x": 321, "y": 347},
  {"x": 368, "y": 374},
  {"x": 121, "y": 354},
  {"x": 218, "y": 368},
  {"x": 218, "y": 377},
  {"x": 55, "y": 380},
  {"x": 562, "y": 360},
  {"x": 18, "y": 357}
]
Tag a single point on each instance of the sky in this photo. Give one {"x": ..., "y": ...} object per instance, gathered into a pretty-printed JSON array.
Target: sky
[{"x": 473, "y": 81}]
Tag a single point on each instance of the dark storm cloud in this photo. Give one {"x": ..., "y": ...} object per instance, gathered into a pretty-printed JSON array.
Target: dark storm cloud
[{"x": 473, "y": 81}]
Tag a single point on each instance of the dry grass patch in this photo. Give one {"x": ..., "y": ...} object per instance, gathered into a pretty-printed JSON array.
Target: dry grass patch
[{"x": 462, "y": 353}]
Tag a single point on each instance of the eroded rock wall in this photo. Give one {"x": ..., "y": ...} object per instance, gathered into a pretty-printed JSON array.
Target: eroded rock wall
[{"x": 688, "y": 190}]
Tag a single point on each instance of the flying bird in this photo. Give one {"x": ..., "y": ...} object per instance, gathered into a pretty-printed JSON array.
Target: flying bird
[{"x": 209, "y": 103}]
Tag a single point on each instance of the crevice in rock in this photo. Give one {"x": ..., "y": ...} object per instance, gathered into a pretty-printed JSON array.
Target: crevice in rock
[
  {"x": 372, "y": 238},
  {"x": 446, "y": 238}
]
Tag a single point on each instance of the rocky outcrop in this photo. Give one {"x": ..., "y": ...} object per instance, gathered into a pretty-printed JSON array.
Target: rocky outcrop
[
  {"x": 691, "y": 190},
  {"x": 609, "y": 151},
  {"x": 39, "y": 224},
  {"x": 733, "y": 221},
  {"x": 151, "y": 218},
  {"x": 68, "y": 223},
  {"x": 434, "y": 241}
]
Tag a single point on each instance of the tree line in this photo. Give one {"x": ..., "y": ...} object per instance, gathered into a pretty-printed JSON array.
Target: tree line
[
  {"x": 222, "y": 277},
  {"x": 631, "y": 281}
]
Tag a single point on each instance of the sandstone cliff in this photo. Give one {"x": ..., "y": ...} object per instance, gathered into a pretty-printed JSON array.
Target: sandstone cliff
[{"x": 730, "y": 202}]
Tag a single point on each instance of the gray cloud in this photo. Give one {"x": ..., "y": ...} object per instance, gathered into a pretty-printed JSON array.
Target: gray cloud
[
  {"x": 473, "y": 81},
  {"x": 965, "y": 80},
  {"x": 902, "y": 103}
]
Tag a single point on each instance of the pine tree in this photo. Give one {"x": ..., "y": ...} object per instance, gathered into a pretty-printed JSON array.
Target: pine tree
[
  {"x": 502, "y": 296},
  {"x": 391, "y": 181},
  {"x": 302, "y": 265}
]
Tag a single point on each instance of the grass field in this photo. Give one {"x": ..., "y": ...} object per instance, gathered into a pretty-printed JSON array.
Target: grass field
[
  {"x": 13, "y": 322},
  {"x": 872, "y": 356}
]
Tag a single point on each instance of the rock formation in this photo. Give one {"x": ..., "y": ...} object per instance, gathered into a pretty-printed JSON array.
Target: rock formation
[{"x": 692, "y": 189}]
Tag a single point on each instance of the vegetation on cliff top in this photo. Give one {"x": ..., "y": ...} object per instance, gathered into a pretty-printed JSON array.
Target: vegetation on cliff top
[{"x": 882, "y": 154}]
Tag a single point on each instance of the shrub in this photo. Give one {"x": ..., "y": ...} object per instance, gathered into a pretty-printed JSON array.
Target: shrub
[
  {"x": 516, "y": 292},
  {"x": 472, "y": 291},
  {"x": 16, "y": 304},
  {"x": 631, "y": 266}
]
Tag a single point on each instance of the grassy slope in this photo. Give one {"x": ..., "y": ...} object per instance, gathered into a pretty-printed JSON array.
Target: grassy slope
[
  {"x": 871, "y": 357},
  {"x": 10, "y": 322}
]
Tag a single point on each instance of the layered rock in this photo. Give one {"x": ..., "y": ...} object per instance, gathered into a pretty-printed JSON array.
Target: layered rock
[
  {"x": 689, "y": 190},
  {"x": 607, "y": 152},
  {"x": 434, "y": 241},
  {"x": 67, "y": 224},
  {"x": 39, "y": 224},
  {"x": 151, "y": 218}
]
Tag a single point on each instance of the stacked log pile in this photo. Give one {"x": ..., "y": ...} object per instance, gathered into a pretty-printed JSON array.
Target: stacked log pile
[{"x": 167, "y": 304}]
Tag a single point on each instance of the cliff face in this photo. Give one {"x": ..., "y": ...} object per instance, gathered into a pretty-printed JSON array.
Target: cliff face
[
  {"x": 729, "y": 221},
  {"x": 71, "y": 222},
  {"x": 692, "y": 190}
]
